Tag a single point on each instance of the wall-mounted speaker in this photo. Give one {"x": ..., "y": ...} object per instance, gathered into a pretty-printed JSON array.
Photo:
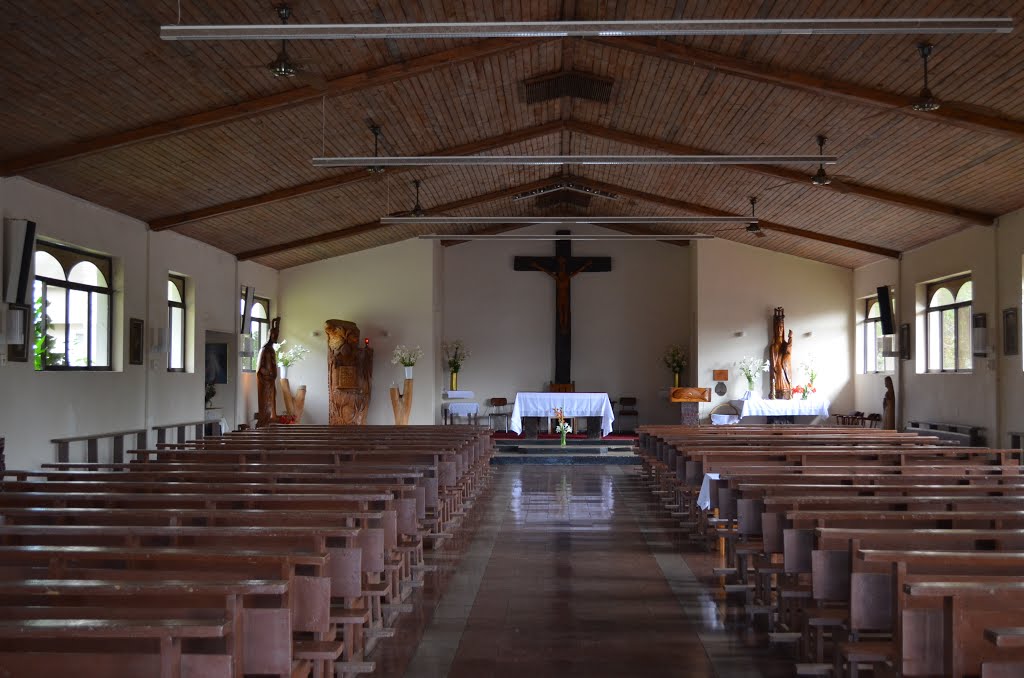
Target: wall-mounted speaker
[
  {"x": 249, "y": 294},
  {"x": 885, "y": 310},
  {"x": 19, "y": 250},
  {"x": 979, "y": 335}
]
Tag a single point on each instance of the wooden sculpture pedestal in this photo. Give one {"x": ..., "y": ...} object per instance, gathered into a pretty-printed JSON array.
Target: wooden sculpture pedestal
[
  {"x": 401, "y": 403},
  {"x": 690, "y": 398}
]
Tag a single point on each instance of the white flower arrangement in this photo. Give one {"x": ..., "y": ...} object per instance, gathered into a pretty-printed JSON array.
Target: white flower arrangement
[
  {"x": 750, "y": 366},
  {"x": 564, "y": 427},
  {"x": 455, "y": 354},
  {"x": 674, "y": 358},
  {"x": 406, "y": 356},
  {"x": 290, "y": 356}
]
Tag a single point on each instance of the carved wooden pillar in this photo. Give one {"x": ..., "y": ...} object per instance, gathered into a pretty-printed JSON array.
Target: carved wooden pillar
[{"x": 349, "y": 373}]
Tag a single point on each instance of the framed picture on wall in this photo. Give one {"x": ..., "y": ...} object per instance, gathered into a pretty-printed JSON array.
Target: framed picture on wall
[
  {"x": 905, "y": 341},
  {"x": 135, "y": 335},
  {"x": 1011, "y": 331},
  {"x": 19, "y": 322}
]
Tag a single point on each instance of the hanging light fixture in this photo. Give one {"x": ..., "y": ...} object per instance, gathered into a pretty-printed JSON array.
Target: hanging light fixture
[
  {"x": 507, "y": 160},
  {"x": 526, "y": 221},
  {"x": 821, "y": 177},
  {"x": 375, "y": 168},
  {"x": 417, "y": 209},
  {"x": 573, "y": 236},
  {"x": 566, "y": 186},
  {"x": 592, "y": 29}
]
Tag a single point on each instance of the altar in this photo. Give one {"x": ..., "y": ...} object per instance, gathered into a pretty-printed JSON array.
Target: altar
[
  {"x": 812, "y": 407},
  {"x": 591, "y": 405}
]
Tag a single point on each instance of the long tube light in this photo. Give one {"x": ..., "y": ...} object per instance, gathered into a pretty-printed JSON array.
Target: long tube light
[
  {"x": 504, "y": 160},
  {"x": 481, "y": 221},
  {"x": 574, "y": 236},
  {"x": 591, "y": 29}
]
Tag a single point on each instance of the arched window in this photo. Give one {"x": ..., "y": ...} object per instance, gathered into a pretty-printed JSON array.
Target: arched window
[
  {"x": 259, "y": 329},
  {"x": 871, "y": 333},
  {"x": 176, "y": 323},
  {"x": 948, "y": 325},
  {"x": 73, "y": 309}
]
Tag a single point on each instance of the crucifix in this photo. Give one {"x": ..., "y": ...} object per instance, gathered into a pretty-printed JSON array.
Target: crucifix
[{"x": 563, "y": 267}]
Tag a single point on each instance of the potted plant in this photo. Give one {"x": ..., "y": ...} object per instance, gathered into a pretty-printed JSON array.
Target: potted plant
[
  {"x": 406, "y": 357},
  {"x": 563, "y": 426},
  {"x": 455, "y": 354},
  {"x": 675, "y": 360}
]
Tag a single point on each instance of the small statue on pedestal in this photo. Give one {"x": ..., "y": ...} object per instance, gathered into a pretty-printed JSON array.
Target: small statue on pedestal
[
  {"x": 780, "y": 358},
  {"x": 889, "y": 406},
  {"x": 266, "y": 378}
]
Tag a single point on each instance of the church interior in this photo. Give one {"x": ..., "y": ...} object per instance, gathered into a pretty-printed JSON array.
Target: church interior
[{"x": 492, "y": 339}]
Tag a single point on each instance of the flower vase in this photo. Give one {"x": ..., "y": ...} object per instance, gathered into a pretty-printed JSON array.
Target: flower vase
[
  {"x": 803, "y": 396},
  {"x": 282, "y": 371},
  {"x": 408, "y": 371},
  {"x": 453, "y": 382},
  {"x": 562, "y": 444},
  {"x": 675, "y": 380}
]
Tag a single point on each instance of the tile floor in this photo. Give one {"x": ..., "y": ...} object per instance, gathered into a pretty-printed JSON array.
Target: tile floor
[{"x": 573, "y": 571}]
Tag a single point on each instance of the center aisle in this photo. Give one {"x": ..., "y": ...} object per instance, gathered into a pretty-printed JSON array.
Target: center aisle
[{"x": 568, "y": 574}]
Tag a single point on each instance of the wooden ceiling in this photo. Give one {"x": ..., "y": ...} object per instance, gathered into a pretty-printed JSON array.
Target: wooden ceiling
[{"x": 196, "y": 137}]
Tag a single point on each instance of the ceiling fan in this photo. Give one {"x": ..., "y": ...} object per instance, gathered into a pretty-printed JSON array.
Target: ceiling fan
[
  {"x": 284, "y": 66},
  {"x": 754, "y": 227},
  {"x": 417, "y": 209},
  {"x": 926, "y": 101},
  {"x": 821, "y": 177}
]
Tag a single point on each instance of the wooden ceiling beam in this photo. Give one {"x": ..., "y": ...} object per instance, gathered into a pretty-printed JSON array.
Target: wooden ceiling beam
[
  {"x": 336, "y": 181},
  {"x": 347, "y": 84},
  {"x": 376, "y": 225},
  {"x": 845, "y": 188},
  {"x": 713, "y": 212},
  {"x": 822, "y": 86},
  {"x": 632, "y": 229}
]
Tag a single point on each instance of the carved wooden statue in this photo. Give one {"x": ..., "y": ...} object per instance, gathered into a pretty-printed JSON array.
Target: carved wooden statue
[
  {"x": 780, "y": 358},
  {"x": 889, "y": 406},
  {"x": 349, "y": 373},
  {"x": 266, "y": 378}
]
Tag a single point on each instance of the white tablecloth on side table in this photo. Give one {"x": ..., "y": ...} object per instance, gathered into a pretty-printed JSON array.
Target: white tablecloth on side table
[
  {"x": 463, "y": 409},
  {"x": 704, "y": 498},
  {"x": 785, "y": 408},
  {"x": 572, "y": 404}
]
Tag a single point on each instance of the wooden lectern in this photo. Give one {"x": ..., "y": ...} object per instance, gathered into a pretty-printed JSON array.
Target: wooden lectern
[{"x": 689, "y": 398}]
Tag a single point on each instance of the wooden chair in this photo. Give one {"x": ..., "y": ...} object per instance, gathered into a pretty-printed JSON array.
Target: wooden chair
[
  {"x": 627, "y": 408},
  {"x": 498, "y": 407}
]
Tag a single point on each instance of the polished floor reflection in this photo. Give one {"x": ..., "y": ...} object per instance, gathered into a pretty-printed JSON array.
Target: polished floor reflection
[{"x": 572, "y": 571}]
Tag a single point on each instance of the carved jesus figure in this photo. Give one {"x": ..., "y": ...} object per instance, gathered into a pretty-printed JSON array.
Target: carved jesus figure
[
  {"x": 562, "y": 278},
  {"x": 266, "y": 378},
  {"x": 780, "y": 358}
]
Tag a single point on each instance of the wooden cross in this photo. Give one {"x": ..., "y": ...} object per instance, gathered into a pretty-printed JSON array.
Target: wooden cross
[{"x": 563, "y": 267}]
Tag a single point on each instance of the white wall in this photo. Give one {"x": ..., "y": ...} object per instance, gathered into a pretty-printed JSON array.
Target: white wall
[
  {"x": 38, "y": 406},
  {"x": 389, "y": 290},
  {"x": 622, "y": 321},
  {"x": 870, "y": 388},
  {"x": 1010, "y": 241},
  {"x": 958, "y": 398},
  {"x": 739, "y": 286}
]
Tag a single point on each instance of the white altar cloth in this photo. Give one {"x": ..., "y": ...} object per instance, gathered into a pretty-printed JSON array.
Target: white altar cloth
[
  {"x": 785, "y": 408},
  {"x": 453, "y": 395},
  {"x": 572, "y": 404}
]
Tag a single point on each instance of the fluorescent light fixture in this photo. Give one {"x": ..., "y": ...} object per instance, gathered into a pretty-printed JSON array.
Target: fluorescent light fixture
[
  {"x": 591, "y": 29},
  {"x": 566, "y": 186},
  {"x": 526, "y": 221},
  {"x": 503, "y": 160},
  {"x": 574, "y": 236}
]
